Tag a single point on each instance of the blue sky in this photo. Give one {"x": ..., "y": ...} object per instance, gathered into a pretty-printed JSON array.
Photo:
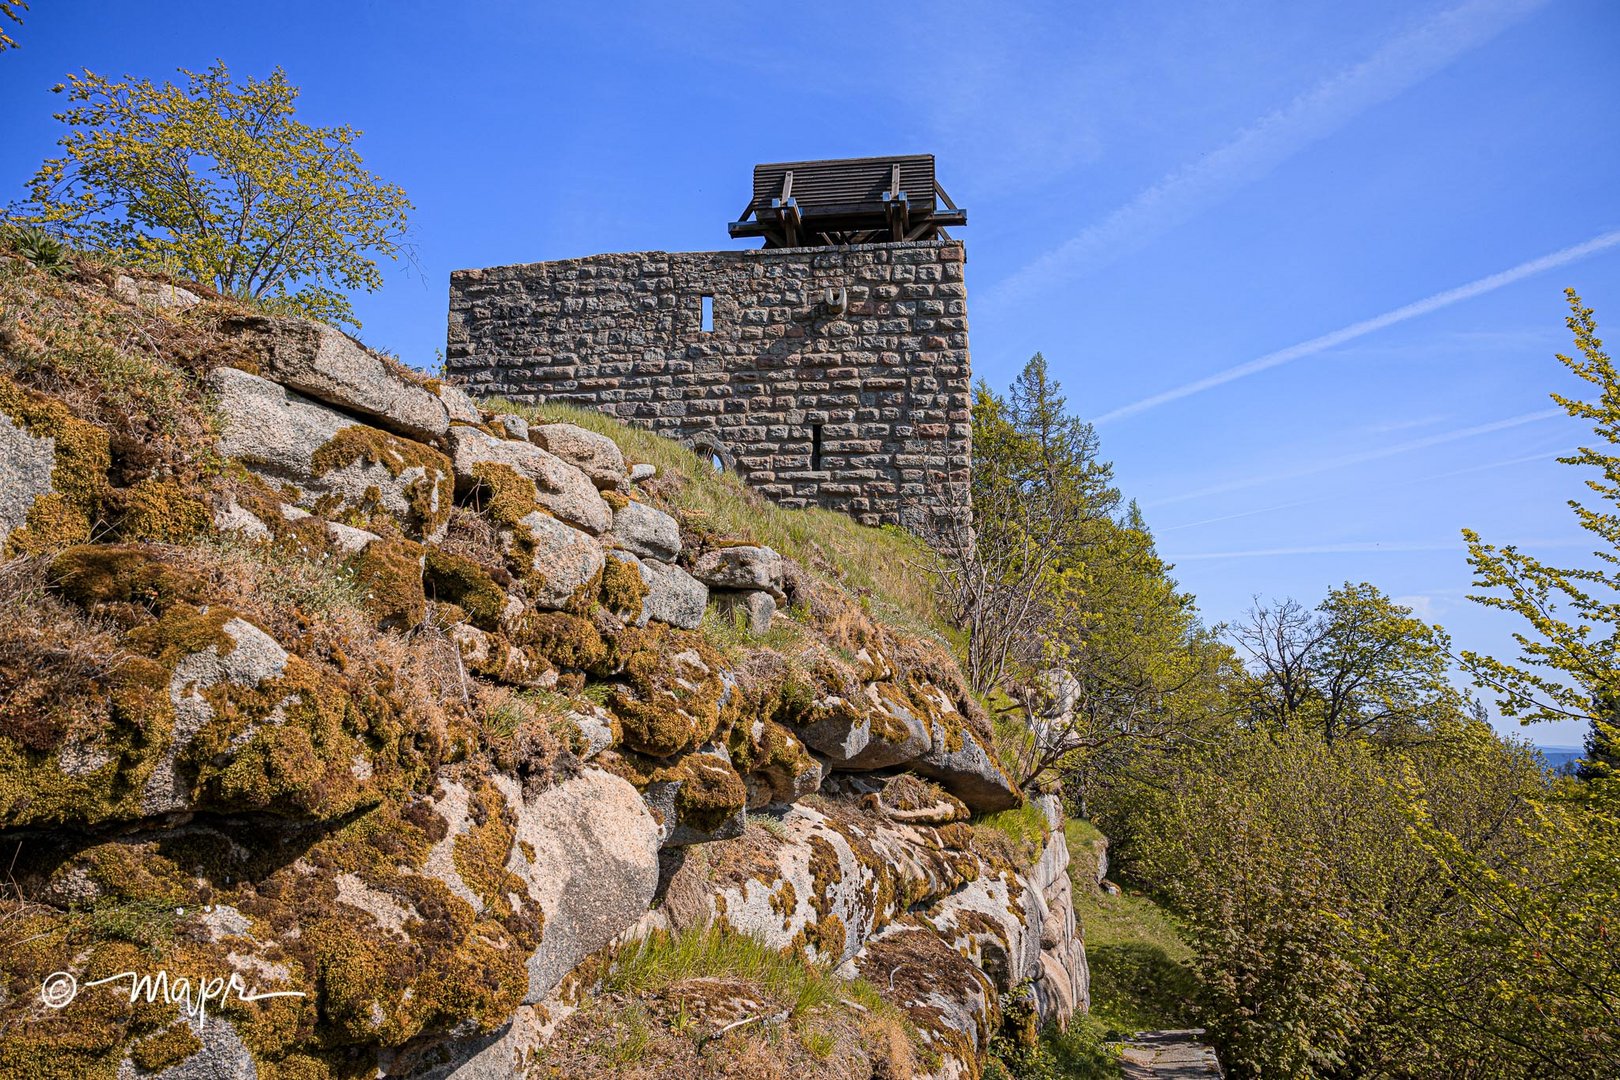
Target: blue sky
[{"x": 1302, "y": 263}]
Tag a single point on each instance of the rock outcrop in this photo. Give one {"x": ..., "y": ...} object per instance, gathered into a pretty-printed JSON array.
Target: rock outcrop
[{"x": 364, "y": 694}]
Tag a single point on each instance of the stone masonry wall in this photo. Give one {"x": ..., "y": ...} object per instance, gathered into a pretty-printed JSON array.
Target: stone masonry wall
[{"x": 864, "y": 411}]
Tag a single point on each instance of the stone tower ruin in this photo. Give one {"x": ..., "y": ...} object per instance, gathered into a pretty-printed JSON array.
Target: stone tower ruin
[{"x": 828, "y": 367}]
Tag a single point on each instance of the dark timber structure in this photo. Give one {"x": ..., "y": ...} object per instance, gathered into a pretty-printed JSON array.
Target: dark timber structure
[
  {"x": 828, "y": 367},
  {"x": 847, "y": 201}
]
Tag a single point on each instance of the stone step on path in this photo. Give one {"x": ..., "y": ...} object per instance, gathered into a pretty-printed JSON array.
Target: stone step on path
[{"x": 1169, "y": 1055}]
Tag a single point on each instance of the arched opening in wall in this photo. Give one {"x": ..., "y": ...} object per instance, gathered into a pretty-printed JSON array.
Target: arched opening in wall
[{"x": 712, "y": 454}]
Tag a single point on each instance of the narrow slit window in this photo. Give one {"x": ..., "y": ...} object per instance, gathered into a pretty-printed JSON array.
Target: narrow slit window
[
  {"x": 707, "y": 315},
  {"x": 815, "y": 447}
]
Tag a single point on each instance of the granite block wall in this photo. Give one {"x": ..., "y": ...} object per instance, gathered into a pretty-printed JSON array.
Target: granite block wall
[{"x": 860, "y": 404}]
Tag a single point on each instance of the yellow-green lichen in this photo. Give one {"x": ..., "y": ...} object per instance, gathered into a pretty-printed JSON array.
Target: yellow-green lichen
[
  {"x": 66, "y": 514},
  {"x": 480, "y": 853},
  {"x": 430, "y": 494},
  {"x": 390, "y": 572},
  {"x": 168, "y": 1047},
  {"x": 161, "y": 510},
  {"x": 670, "y": 699},
  {"x": 710, "y": 792},
  {"x": 126, "y": 581},
  {"x": 570, "y": 642},
  {"x": 461, "y": 581},
  {"x": 505, "y": 495},
  {"x": 623, "y": 590}
]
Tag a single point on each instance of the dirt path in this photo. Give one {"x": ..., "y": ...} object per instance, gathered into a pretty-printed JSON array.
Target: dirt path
[{"x": 1169, "y": 1055}]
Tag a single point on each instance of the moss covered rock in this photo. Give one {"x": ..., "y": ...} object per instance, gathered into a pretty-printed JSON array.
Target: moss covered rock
[
  {"x": 326, "y": 462},
  {"x": 559, "y": 487},
  {"x": 53, "y": 472}
]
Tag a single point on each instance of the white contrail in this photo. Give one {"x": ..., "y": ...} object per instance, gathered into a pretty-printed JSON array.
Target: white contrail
[
  {"x": 1362, "y": 456},
  {"x": 1544, "y": 455},
  {"x": 1398, "y": 65},
  {"x": 1367, "y": 326},
  {"x": 1362, "y": 547}
]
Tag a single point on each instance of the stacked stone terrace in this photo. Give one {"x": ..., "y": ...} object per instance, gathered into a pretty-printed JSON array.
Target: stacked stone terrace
[{"x": 828, "y": 376}]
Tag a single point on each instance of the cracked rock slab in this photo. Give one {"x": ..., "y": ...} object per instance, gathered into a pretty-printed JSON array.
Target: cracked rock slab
[{"x": 330, "y": 366}]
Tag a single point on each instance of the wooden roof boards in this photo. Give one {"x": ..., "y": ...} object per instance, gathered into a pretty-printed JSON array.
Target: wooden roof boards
[{"x": 847, "y": 201}]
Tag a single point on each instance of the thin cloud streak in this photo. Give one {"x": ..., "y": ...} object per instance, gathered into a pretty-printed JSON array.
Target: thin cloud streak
[
  {"x": 1359, "y": 548},
  {"x": 1425, "y": 306},
  {"x": 1346, "y": 460},
  {"x": 1398, "y": 65},
  {"x": 1543, "y": 456}
]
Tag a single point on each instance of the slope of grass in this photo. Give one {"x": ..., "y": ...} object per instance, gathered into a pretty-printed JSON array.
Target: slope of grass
[
  {"x": 1139, "y": 981},
  {"x": 888, "y": 567}
]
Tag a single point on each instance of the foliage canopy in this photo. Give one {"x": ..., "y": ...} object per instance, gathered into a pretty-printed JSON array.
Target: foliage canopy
[
  {"x": 1358, "y": 662},
  {"x": 1071, "y": 615},
  {"x": 1374, "y": 882},
  {"x": 220, "y": 183}
]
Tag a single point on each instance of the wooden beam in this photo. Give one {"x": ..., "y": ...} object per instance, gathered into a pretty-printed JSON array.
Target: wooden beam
[{"x": 899, "y": 214}]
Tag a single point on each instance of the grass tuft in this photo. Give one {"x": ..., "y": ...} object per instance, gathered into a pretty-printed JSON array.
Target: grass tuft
[{"x": 663, "y": 959}]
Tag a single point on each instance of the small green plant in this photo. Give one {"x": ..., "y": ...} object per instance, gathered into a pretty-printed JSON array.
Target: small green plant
[
  {"x": 662, "y": 959},
  {"x": 821, "y": 1044},
  {"x": 634, "y": 1036},
  {"x": 770, "y": 824},
  {"x": 504, "y": 717},
  {"x": 37, "y": 246},
  {"x": 682, "y": 1024}
]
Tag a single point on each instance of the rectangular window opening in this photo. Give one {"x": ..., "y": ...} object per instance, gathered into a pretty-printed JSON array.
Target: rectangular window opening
[
  {"x": 708, "y": 313},
  {"x": 815, "y": 447}
]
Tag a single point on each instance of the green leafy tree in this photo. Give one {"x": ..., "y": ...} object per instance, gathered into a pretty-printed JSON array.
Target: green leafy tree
[
  {"x": 1520, "y": 966},
  {"x": 1332, "y": 938},
  {"x": 220, "y": 182},
  {"x": 1568, "y": 667},
  {"x": 1071, "y": 615},
  {"x": 1358, "y": 662},
  {"x": 1038, "y": 492}
]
